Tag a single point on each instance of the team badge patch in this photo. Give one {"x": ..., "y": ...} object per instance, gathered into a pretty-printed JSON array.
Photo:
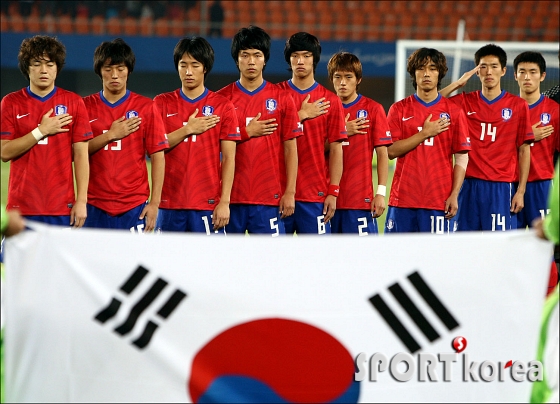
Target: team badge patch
[
  {"x": 60, "y": 109},
  {"x": 390, "y": 224},
  {"x": 271, "y": 104},
  {"x": 207, "y": 110},
  {"x": 445, "y": 115},
  {"x": 131, "y": 114},
  {"x": 545, "y": 118},
  {"x": 506, "y": 113},
  {"x": 362, "y": 113}
]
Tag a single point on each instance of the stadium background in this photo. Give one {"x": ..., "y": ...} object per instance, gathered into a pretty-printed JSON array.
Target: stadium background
[{"x": 369, "y": 29}]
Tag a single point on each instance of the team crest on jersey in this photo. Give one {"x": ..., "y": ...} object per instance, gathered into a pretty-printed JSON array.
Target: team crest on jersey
[
  {"x": 207, "y": 110},
  {"x": 362, "y": 113},
  {"x": 445, "y": 115},
  {"x": 545, "y": 118},
  {"x": 60, "y": 109},
  {"x": 131, "y": 114},
  {"x": 271, "y": 104},
  {"x": 390, "y": 224},
  {"x": 506, "y": 113}
]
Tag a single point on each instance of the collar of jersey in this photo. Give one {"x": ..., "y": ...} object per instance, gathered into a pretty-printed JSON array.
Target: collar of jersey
[
  {"x": 239, "y": 86},
  {"x": 37, "y": 97},
  {"x": 498, "y": 98},
  {"x": 428, "y": 104},
  {"x": 201, "y": 96},
  {"x": 537, "y": 103},
  {"x": 116, "y": 104},
  {"x": 353, "y": 102},
  {"x": 315, "y": 84}
]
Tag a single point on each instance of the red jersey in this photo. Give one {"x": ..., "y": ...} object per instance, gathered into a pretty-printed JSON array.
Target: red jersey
[
  {"x": 259, "y": 161},
  {"x": 192, "y": 168},
  {"x": 496, "y": 128},
  {"x": 356, "y": 184},
  {"x": 424, "y": 176},
  {"x": 544, "y": 111},
  {"x": 41, "y": 179},
  {"x": 313, "y": 180},
  {"x": 118, "y": 178}
]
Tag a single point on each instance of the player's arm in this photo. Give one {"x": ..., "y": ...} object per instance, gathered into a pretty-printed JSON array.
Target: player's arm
[
  {"x": 459, "y": 170},
  {"x": 120, "y": 129},
  {"x": 150, "y": 211},
  {"x": 49, "y": 126},
  {"x": 429, "y": 129},
  {"x": 378, "y": 203},
  {"x": 78, "y": 213},
  {"x": 194, "y": 126},
  {"x": 310, "y": 110},
  {"x": 220, "y": 217},
  {"x": 288, "y": 201},
  {"x": 445, "y": 92},
  {"x": 335, "y": 171},
  {"x": 524, "y": 156}
]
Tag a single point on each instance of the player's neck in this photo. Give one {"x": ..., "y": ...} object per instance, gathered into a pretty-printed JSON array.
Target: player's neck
[
  {"x": 303, "y": 83},
  {"x": 491, "y": 93},
  {"x": 41, "y": 91},
  {"x": 349, "y": 99},
  {"x": 113, "y": 97},
  {"x": 251, "y": 84},
  {"x": 531, "y": 98},
  {"x": 193, "y": 93},
  {"x": 427, "y": 96}
]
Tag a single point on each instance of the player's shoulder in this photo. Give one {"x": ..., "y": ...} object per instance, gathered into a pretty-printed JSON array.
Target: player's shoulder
[
  {"x": 369, "y": 103},
  {"x": 67, "y": 94},
  {"x": 92, "y": 97},
  {"x": 167, "y": 96},
  {"x": 139, "y": 98},
  {"x": 215, "y": 97},
  {"x": 15, "y": 95},
  {"x": 226, "y": 90}
]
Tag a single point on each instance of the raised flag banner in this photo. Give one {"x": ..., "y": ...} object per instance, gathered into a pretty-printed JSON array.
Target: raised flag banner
[{"x": 109, "y": 316}]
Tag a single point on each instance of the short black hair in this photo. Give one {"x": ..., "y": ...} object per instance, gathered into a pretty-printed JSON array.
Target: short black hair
[
  {"x": 199, "y": 48},
  {"x": 530, "y": 57},
  {"x": 36, "y": 48},
  {"x": 116, "y": 51},
  {"x": 420, "y": 57},
  {"x": 491, "y": 50},
  {"x": 251, "y": 37},
  {"x": 303, "y": 41}
]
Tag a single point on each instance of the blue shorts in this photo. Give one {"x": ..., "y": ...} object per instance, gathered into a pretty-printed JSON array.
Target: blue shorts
[
  {"x": 485, "y": 205},
  {"x": 53, "y": 220},
  {"x": 186, "y": 220},
  {"x": 256, "y": 219},
  {"x": 536, "y": 203},
  {"x": 99, "y": 219},
  {"x": 353, "y": 221},
  {"x": 406, "y": 220},
  {"x": 308, "y": 218}
]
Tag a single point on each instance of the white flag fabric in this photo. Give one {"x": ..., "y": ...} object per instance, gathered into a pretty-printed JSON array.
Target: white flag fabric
[{"x": 109, "y": 316}]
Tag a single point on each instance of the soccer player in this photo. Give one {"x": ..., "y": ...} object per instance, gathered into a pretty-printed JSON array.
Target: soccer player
[
  {"x": 200, "y": 124},
  {"x": 44, "y": 128},
  {"x": 367, "y": 128},
  {"x": 322, "y": 117},
  {"x": 267, "y": 153},
  {"x": 125, "y": 126},
  {"x": 529, "y": 71},
  {"x": 500, "y": 132},
  {"x": 428, "y": 132}
]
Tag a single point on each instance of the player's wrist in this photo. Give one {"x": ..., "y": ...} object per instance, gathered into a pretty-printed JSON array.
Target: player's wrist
[
  {"x": 37, "y": 134},
  {"x": 381, "y": 190},
  {"x": 334, "y": 190}
]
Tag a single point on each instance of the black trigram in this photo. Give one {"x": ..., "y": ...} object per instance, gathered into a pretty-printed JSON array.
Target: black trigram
[
  {"x": 412, "y": 310},
  {"x": 143, "y": 303}
]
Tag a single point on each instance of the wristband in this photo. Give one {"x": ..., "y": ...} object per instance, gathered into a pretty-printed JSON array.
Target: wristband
[
  {"x": 334, "y": 190},
  {"x": 381, "y": 190},
  {"x": 37, "y": 134}
]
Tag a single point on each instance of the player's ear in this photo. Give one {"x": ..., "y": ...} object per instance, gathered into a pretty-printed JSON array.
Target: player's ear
[
  {"x": 543, "y": 75},
  {"x": 504, "y": 70}
]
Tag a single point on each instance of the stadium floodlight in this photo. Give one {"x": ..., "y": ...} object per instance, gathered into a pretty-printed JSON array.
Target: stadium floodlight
[{"x": 460, "y": 58}]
